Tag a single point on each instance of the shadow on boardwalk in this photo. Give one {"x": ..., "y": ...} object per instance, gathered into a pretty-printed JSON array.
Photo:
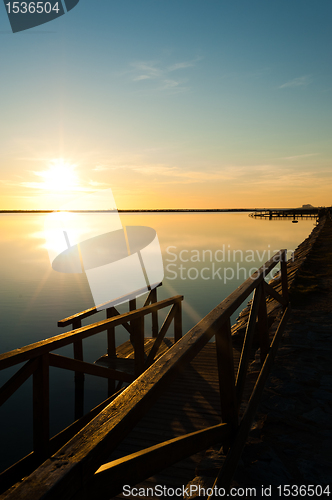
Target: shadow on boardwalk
[{"x": 291, "y": 438}]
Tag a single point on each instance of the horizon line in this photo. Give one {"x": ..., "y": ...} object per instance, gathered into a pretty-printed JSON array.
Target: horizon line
[{"x": 146, "y": 210}]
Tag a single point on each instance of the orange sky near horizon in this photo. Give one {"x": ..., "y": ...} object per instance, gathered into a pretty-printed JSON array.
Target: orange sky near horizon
[{"x": 58, "y": 181}]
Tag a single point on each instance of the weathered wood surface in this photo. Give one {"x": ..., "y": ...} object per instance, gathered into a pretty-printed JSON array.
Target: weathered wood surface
[
  {"x": 42, "y": 358},
  {"x": 163, "y": 389},
  {"x": 70, "y": 468},
  {"x": 152, "y": 459},
  {"x": 191, "y": 403}
]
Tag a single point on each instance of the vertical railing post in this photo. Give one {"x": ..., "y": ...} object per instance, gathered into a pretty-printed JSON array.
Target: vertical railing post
[
  {"x": 178, "y": 322},
  {"x": 155, "y": 326},
  {"x": 132, "y": 305},
  {"x": 41, "y": 407},
  {"x": 226, "y": 374},
  {"x": 247, "y": 342},
  {"x": 79, "y": 377},
  {"x": 137, "y": 339},
  {"x": 262, "y": 325},
  {"x": 284, "y": 278},
  {"x": 111, "y": 347}
]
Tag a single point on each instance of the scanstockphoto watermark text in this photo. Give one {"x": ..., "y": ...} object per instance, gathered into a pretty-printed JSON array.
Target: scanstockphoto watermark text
[
  {"x": 224, "y": 264},
  {"x": 186, "y": 491}
]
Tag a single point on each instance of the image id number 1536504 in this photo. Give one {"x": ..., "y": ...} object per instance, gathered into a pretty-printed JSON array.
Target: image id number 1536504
[
  {"x": 31, "y": 7},
  {"x": 310, "y": 490}
]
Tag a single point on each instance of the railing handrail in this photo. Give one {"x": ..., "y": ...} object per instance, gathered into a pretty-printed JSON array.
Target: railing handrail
[{"x": 30, "y": 351}]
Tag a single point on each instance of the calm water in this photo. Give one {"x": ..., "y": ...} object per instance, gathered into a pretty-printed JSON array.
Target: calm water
[{"x": 206, "y": 256}]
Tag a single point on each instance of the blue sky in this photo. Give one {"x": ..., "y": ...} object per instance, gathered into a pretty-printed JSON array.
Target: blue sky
[{"x": 185, "y": 103}]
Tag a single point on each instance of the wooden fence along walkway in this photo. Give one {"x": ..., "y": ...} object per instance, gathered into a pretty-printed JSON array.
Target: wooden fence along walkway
[{"x": 191, "y": 397}]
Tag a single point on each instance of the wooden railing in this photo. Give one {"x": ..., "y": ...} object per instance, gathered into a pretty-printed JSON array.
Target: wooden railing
[
  {"x": 75, "y": 321},
  {"x": 38, "y": 357},
  {"x": 79, "y": 471}
]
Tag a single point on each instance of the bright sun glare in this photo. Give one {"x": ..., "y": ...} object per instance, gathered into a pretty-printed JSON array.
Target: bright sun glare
[{"x": 60, "y": 176}]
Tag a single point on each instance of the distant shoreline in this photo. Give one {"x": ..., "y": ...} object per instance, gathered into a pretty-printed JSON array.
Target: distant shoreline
[{"x": 163, "y": 210}]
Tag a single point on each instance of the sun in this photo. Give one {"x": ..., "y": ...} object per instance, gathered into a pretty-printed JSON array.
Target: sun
[{"x": 60, "y": 176}]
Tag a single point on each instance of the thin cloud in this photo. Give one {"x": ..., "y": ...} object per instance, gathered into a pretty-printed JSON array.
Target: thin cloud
[
  {"x": 182, "y": 65},
  {"x": 171, "y": 84},
  {"x": 146, "y": 71},
  {"x": 301, "y": 81},
  {"x": 177, "y": 175},
  {"x": 154, "y": 71},
  {"x": 241, "y": 175},
  {"x": 296, "y": 157},
  {"x": 142, "y": 77}
]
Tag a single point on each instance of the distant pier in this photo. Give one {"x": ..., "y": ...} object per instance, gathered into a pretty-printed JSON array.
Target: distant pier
[{"x": 287, "y": 213}]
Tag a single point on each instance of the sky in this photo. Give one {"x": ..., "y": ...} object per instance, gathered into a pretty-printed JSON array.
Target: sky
[{"x": 170, "y": 103}]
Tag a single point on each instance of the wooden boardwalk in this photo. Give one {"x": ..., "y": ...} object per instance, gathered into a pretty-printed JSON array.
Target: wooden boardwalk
[
  {"x": 191, "y": 403},
  {"x": 197, "y": 394}
]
